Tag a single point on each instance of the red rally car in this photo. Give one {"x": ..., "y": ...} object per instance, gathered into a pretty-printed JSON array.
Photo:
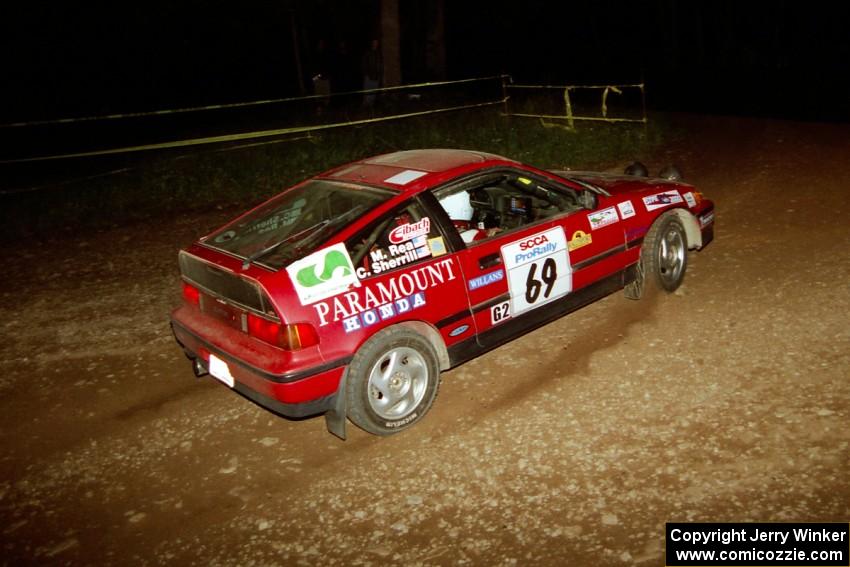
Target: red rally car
[{"x": 349, "y": 293}]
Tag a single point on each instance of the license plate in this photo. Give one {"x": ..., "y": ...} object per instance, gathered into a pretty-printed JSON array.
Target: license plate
[{"x": 219, "y": 369}]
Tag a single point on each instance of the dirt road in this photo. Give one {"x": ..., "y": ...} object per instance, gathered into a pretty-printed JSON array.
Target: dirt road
[{"x": 726, "y": 401}]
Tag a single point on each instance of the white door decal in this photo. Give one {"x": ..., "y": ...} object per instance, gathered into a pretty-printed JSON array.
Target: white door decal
[{"x": 538, "y": 269}]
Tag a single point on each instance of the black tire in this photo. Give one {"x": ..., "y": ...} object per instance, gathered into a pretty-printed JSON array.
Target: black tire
[
  {"x": 392, "y": 381},
  {"x": 663, "y": 257}
]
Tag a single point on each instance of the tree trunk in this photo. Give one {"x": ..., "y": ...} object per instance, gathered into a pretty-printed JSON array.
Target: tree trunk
[
  {"x": 390, "y": 43},
  {"x": 436, "y": 50}
]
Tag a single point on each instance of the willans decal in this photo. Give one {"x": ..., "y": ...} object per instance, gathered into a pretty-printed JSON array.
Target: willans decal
[{"x": 486, "y": 279}]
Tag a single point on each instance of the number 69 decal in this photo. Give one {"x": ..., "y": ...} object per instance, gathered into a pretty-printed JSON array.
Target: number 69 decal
[{"x": 538, "y": 268}]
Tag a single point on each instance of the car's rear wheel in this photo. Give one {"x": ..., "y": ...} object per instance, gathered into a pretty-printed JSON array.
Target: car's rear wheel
[
  {"x": 663, "y": 257},
  {"x": 392, "y": 381}
]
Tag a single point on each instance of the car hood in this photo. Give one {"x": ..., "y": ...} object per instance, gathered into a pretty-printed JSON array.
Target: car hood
[{"x": 615, "y": 183}]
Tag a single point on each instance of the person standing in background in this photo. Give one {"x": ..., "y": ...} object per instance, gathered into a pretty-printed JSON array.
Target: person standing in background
[
  {"x": 372, "y": 67},
  {"x": 321, "y": 76}
]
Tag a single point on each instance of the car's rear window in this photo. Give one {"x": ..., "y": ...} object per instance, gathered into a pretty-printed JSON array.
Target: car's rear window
[{"x": 296, "y": 222}]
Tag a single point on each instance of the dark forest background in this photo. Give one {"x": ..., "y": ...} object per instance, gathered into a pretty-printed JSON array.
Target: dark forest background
[{"x": 782, "y": 58}]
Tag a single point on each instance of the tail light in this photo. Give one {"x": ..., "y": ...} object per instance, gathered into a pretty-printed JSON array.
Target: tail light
[
  {"x": 697, "y": 196},
  {"x": 191, "y": 294},
  {"x": 290, "y": 337}
]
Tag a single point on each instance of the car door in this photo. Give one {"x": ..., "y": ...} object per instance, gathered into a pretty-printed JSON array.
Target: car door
[
  {"x": 515, "y": 272},
  {"x": 405, "y": 271}
]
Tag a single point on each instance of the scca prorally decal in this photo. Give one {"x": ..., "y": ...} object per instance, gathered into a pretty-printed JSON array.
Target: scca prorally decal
[
  {"x": 579, "y": 240},
  {"x": 538, "y": 269},
  {"x": 690, "y": 200},
  {"x": 410, "y": 231},
  {"x": 660, "y": 200},
  {"x": 602, "y": 218},
  {"x": 532, "y": 247},
  {"x": 626, "y": 209},
  {"x": 380, "y": 298},
  {"x": 706, "y": 219},
  {"x": 322, "y": 274},
  {"x": 486, "y": 279}
]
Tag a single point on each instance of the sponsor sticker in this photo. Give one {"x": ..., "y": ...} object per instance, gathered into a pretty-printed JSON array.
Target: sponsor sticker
[
  {"x": 579, "y": 240},
  {"x": 486, "y": 279},
  {"x": 398, "y": 307},
  {"x": 410, "y": 231},
  {"x": 627, "y": 210},
  {"x": 395, "y": 255},
  {"x": 437, "y": 246},
  {"x": 405, "y": 177},
  {"x": 660, "y": 200},
  {"x": 500, "y": 312},
  {"x": 690, "y": 200},
  {"x": 322, "y": 274},
  {"x": 706, "y": 219},
  {"x": 459, "y": 330},
  {"x": 602, "y": 218},
  {"x": 374, "y": 302},
  {"x": 538, "y": 269},
  {"x": 282, "y": 218}
]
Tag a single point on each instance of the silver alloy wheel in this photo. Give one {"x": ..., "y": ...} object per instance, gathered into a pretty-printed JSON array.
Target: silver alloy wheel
[
  {"x": 397, "y": 383},
  {"x": 671, "y": 259}
]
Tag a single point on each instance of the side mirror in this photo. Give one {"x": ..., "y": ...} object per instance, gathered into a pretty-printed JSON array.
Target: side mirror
[{"x": 588, "y": 200}]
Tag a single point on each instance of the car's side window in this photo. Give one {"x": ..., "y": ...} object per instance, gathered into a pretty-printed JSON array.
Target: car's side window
[
  {"x": 500, "y": 203},
  {"x": 397, "y": 240}
]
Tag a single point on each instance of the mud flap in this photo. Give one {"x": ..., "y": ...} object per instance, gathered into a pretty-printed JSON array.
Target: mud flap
[
  {"x": 634, "y": 289},
  {"x": 335, "y": 418}
]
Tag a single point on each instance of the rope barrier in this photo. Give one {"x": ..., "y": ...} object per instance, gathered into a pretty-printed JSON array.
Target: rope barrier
[
  {"x": 241, "y": 104},
  {"x": 21, "y": 190},
  {"x": 568, "y": 107},
  {"x": 573, "y": 87},
  {"x": 246, "y": 135}
]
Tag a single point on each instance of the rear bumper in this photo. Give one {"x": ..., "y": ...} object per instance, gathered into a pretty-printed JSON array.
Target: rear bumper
[
  {"x": 293, "y": 395},
  {"x": 290, "y": 410}
]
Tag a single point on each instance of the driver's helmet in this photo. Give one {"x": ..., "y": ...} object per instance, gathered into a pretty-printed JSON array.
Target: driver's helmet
[{"x": 458, "y": 206}]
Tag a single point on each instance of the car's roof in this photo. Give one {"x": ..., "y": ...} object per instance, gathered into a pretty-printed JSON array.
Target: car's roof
[{"x": 413, "y": 170}]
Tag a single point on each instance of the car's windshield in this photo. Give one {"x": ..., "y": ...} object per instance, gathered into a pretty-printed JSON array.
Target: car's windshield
[{"x": 296, "y": 222}]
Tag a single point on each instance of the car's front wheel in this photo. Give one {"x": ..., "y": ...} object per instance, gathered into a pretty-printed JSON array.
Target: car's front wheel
[
  {"x": 392, "y": 381},
  {"x": 663, "y": 257}
]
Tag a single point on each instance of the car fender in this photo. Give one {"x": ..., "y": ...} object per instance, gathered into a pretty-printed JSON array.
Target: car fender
[
  {"x": 691, "y": 224},
  {"x": 429, "y": 332}
]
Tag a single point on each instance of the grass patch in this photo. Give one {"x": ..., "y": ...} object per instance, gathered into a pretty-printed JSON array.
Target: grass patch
[{"x": 170, "y": 184}]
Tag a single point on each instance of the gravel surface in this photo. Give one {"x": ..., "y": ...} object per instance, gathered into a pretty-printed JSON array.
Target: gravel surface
[{"x": 725, "y": 401}]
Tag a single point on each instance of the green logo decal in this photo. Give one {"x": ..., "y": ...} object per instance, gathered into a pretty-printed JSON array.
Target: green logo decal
[{"x": 334, "y": 259}]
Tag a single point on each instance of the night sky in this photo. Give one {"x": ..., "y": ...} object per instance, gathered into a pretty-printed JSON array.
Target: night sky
[{"x": 780, "y": 58}]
